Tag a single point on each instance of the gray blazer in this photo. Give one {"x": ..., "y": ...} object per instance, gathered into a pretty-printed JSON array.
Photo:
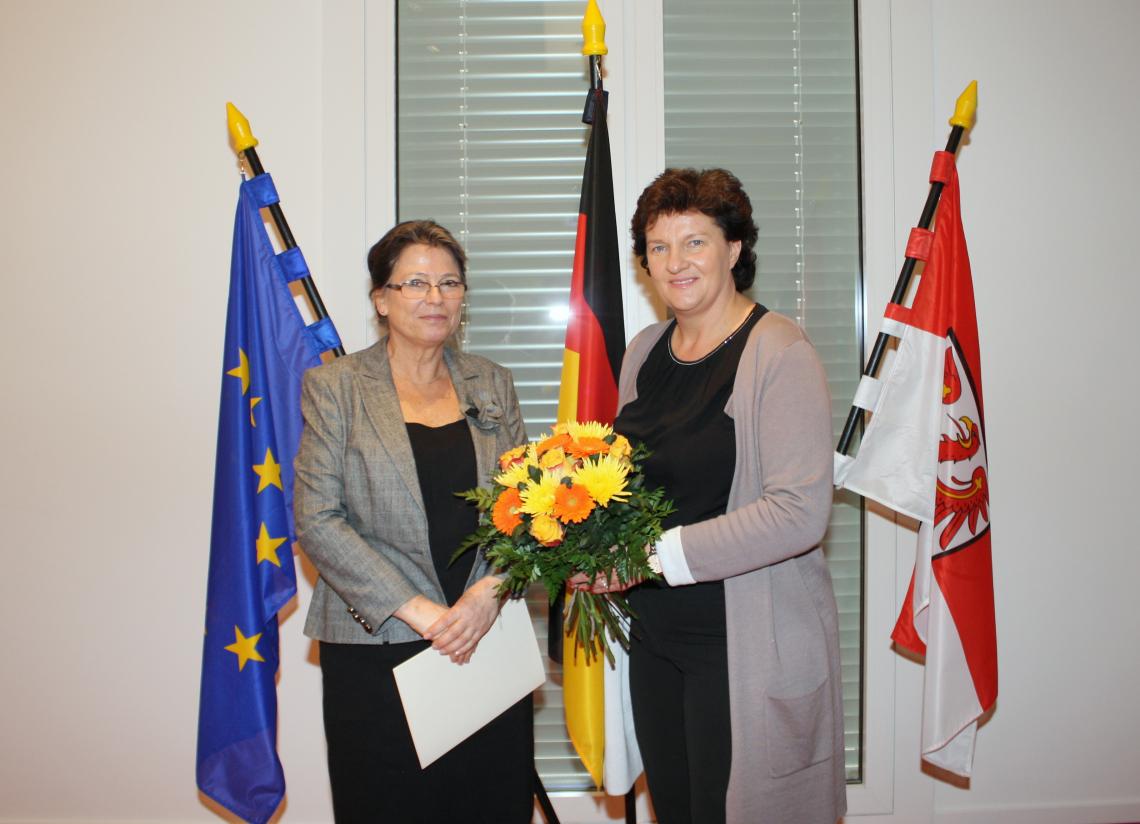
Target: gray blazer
[
  {"x": 785, "y": 683},
  {"x": 357, "y": 500}
]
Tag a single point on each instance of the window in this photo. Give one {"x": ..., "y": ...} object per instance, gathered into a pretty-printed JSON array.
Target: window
[
  {"x": 491, "y": 144},
  {"x": 767, "y": 89}
]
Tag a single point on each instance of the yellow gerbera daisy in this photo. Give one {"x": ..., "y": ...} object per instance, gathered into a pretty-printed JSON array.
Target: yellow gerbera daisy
[
  {"x": 538, "y": 498},
  {"x": 604, "y": 480}
]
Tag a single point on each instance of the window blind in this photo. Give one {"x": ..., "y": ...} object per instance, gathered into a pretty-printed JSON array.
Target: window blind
[
  {"x": 491, "y": 145},
  {"x": 767, "y": 89}
]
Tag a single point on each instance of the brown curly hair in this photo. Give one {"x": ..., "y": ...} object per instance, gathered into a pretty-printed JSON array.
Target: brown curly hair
[{"x": 716, "y": 193}]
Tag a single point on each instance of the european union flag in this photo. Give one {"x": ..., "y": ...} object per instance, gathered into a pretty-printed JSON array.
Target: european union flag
[{"x": 268, "y": 347}]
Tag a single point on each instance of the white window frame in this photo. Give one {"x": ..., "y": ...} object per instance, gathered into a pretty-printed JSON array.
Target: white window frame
[{"x": 635, "y": 77}]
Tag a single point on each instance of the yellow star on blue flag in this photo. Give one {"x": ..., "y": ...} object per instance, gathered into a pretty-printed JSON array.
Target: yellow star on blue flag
[
  {"x": 245, "y": 648},
  {"x": 267, "y": 546},
  {"x": 268, "y": 472},
  {"x": 241, "y": 371},
  {"x": 267, "y": 348}
]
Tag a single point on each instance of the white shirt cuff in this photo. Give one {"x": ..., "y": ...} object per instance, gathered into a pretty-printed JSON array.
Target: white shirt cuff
[{"x": 672, "y": 554}]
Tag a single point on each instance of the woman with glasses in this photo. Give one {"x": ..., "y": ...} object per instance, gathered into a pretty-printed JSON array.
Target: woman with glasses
[{"x": 390, "y": 434}]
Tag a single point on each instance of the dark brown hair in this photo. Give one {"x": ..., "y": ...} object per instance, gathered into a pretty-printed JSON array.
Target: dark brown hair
[
  {"x": 383, "y": 256},
  {"x": 716, "y": 193}
]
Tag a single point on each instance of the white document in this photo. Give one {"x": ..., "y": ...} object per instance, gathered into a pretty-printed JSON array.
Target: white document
[{"x": 445, "y": 702}]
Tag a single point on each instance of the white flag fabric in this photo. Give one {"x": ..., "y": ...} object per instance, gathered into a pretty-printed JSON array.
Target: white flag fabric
[
  {"x": 924, "y": 455},
  {"x": 622, "y": 763}
]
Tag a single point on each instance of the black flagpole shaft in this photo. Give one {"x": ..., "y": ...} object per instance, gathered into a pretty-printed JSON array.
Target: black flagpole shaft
[
  {"x": 290, "y": 243},
  {"x": 873, "y": 362},
  {"x": 595, "y": 87}
]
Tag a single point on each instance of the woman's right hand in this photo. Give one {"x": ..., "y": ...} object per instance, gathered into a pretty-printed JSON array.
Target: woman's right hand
[{"x": 420, "y": 612}]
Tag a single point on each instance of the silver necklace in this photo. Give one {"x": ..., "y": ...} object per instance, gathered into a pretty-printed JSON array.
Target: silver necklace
[{"x": 714, "y": 350}]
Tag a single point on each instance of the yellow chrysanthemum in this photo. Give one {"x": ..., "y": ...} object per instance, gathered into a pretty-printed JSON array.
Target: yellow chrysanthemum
[
  {"x": 546, "y": 530},
  {"x": 559, "y": 428},
  {"x": 587, "y": 429},
  {"x": 604, "y": 480},
  {"x": 621, "y": 447},
  {"x": 514, "y": 475},
  {"x": 538, "y": 498}
]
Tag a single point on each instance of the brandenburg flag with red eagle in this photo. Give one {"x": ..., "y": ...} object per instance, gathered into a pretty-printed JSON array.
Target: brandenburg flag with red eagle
[{"x": 924, "y": 455}]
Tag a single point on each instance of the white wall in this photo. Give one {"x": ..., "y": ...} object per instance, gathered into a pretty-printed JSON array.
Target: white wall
[
  {"x": 117, "y": 195},
  {"x": 1048, "y": 188},
  {"x": 117, "y": 191},
  {"x": 1052, "y": 181}
]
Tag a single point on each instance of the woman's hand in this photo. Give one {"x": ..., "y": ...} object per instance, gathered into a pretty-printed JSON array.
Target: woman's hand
[
  {"x": 420, "y": 612},
  {"x": 600, "y": 585},
  {"x": 458, "y": 631}
]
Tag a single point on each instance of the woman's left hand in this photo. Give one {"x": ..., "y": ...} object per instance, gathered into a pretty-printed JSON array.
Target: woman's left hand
[
  {"x": 458, "y": 631},
  {"x": 600, "y": 585}
]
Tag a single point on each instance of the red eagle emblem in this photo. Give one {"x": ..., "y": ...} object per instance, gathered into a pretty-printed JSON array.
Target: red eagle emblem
[
  {"x": 961, "y": 452},
  {"x": 963, "y": 504}
]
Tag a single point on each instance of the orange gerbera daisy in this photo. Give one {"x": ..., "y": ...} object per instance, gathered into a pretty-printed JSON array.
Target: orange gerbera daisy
[
  {"x": 572, "y": 504},
  {"x": 504, "y": 514},
  {"x": 551, "y": 442},
  {"x": 582, "y": 447}
]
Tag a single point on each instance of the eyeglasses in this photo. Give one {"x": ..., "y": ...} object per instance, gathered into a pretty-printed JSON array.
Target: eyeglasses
[{"x": 417, "y": 288}]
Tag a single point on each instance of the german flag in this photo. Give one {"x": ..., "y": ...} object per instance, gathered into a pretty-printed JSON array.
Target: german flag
[{"x": 595, "y": 344}]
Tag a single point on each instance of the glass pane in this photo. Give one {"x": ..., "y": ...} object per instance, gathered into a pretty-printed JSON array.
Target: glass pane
[
  {"x": 491, "y": 144},
  {"x": 767, "y": 90}
]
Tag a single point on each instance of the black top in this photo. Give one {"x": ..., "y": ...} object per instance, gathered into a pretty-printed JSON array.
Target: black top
[
  {"x": 445, "y": 463},
  {"x": 679, "y": 414}
]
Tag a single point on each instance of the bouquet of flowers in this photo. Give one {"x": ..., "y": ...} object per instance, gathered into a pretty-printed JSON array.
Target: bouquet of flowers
[{"x": 573, "y": 502}]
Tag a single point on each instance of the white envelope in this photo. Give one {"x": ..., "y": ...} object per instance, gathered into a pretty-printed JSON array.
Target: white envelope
[{"x": 445, "y": 702}]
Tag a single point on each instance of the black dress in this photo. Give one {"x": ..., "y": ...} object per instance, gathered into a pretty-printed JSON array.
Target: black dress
[
  {"x": 373, "y": 767},
  {"x": 678, "y": 655}
]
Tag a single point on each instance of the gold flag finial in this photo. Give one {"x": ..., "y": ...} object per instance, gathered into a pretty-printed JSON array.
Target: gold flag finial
[
  {"x": 593, "y": 30},
  {"x": 966, "y": 106},
  {"x": 239, "y": 129}
]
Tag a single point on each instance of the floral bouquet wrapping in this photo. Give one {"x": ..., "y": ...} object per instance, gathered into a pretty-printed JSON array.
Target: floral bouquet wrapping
[{"x": 572, "y": 502}]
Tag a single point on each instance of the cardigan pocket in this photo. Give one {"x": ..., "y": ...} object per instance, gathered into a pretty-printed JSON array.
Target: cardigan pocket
[
  {"x": 798, "y": 709},
  {"x": 799, "y": 731}
]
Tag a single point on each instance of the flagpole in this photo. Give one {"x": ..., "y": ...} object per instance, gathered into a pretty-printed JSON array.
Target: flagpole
[
  {"x": 594, "y": 35},
  {"x": 244, "y": 143},
  {"x": 963, "y": 118},
  {"x": 595, "y": 47}
]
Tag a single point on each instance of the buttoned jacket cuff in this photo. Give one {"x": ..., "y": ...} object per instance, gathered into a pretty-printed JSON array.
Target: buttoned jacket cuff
[{"x": 672, "y": 555}]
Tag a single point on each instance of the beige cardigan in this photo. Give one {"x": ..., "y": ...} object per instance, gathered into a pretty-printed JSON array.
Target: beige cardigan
[{"x": 785, "y": 689}]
